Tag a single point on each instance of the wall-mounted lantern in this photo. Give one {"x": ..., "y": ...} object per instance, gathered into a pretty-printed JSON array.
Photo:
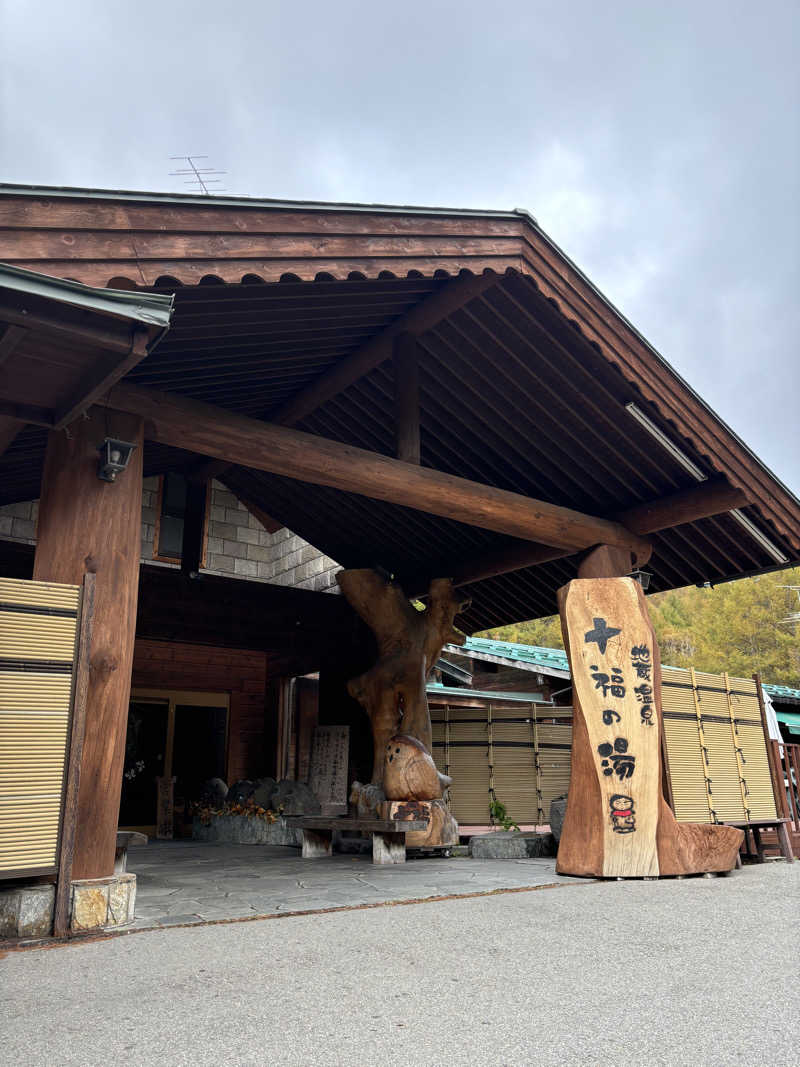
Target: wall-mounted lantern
[
  {"x": 642, "y": 577},
  {"x": 115, "y": 456}
]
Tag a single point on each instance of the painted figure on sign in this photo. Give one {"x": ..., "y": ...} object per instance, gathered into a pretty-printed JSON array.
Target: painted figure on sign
[
  {"x": 617, "y": 759},
  {"x": 610, "y": 716},
  {"x": 613, "y": 683},
  {"x": 623, "y": 817},
  {"x": 646, "y": 715}
]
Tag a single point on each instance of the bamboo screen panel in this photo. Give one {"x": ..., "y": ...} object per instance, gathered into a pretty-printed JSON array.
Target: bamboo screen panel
[
  {"x": 718, "y": 763},
  {"x": 515, "y": 751},
  {"x": 38, "y": 629}
]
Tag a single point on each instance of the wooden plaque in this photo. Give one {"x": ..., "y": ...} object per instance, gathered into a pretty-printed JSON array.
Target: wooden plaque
[
  {"x": 612, "y": 658},
  {"x": 329, "y": 764}
]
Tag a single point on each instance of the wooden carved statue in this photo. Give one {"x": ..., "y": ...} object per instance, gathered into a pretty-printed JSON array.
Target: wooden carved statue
[
  {"x": 618, "y": 823},
  {"x": 393, "y": 691},
  {"x": 409, "y": 771}
]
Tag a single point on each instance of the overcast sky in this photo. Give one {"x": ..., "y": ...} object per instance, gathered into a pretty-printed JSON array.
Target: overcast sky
[{"x": 658, "y": 144}]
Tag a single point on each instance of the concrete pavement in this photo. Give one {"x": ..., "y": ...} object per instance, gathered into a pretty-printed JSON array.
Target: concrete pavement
[{"x": 698, "y": 971}]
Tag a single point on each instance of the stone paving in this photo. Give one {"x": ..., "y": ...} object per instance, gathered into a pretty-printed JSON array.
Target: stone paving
[{"x": 185, "y": 882}]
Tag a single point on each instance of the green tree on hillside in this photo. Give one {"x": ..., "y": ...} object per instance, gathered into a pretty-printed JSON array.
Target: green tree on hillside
[{"x": 738, "y": 627}]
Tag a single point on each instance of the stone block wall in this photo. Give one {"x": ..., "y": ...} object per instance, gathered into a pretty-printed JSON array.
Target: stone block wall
[{"x": 237, "y": 544}]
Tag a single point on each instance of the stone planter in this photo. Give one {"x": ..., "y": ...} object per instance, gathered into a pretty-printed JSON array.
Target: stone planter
[{"x": 244, "y": 830}]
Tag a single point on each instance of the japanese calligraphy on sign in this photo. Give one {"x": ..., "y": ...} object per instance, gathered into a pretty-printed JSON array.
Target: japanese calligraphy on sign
[
  {"x": 611, "y": 656},
  {"x": 329, "y": 763}
]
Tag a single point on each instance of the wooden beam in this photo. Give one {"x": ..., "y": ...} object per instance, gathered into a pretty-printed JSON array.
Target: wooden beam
[
  {"x": 36, "y": 314},
  {"x": 10, "y": 338},
  {"x": 699, "y": 502},
  {"x": 88, "y": 525},
  {"x": 105, "y": 373},
  {"x": 212, "y": 431},
  {"x": 606, "y": 561},
  {"x": 421, "y": 317},
  {"x": 39, "y": 416},
  {"x": 9, "y": 428},
  {"x": 405, "y": 358},
  {"x": 270, "y": 525}
]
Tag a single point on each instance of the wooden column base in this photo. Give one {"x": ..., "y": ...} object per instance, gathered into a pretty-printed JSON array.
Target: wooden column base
[
  {"x": 388, "y": 848},
  {"x": 317, "y": 844}
]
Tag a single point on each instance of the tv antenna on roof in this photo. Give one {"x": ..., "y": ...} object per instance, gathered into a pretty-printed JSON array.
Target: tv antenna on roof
[{"x": 200, "y": 176}]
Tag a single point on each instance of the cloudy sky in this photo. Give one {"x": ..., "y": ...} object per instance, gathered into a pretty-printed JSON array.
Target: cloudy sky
[{"x": 658, "y": 144}]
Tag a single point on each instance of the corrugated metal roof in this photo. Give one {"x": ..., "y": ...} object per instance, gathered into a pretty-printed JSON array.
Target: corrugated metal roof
[
  {"x": 541, "y": 659},
  {"x": 783, "y": 693},
  {"x": 442, "y": 691}
]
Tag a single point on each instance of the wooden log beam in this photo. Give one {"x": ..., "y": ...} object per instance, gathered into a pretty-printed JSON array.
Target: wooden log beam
[
  {"x": 688, "y": 505},
  {"x": 421, "y": 317},
  {"x": 39, "y": 416},
  {"x": 406, "y": 397},
  {"x": 212, "y": 431},
  {"x": 699, "y": 502},
  {"x": 105, "y": 373}
]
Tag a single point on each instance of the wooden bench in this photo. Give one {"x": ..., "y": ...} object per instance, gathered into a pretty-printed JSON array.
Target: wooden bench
[
  {"x": 126, "y": 838},
  {"x": 781, "y": 828},
  {"x": 388, "y": 836}
]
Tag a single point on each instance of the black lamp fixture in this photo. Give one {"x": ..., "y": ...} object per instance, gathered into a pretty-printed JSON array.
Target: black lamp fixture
[
  {"x": 642, "y": 577},
  {"x": 115, "y": 455}
]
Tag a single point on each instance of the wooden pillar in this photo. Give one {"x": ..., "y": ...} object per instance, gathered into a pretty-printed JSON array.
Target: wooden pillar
[
  {"x": 406, "y": 398},
  {"x": 88, "y": 525}
]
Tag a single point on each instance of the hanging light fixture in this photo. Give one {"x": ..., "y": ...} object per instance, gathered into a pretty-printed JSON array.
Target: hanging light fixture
[
  {"x": 642, "y": 577},
  {"x": 115, "y": 455}
]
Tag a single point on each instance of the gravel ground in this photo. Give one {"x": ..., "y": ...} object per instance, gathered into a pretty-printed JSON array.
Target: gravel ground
[{"x": 698, "y": 971}]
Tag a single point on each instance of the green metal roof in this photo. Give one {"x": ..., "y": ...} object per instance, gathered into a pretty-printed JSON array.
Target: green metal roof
[
  {"x": 435, "y": 690},
  {"x": 790, "y": 719},
  {"x": 153, "y": 309},
  {"x": 544, "y": 659},
  {"x": 782, "y": 693}
]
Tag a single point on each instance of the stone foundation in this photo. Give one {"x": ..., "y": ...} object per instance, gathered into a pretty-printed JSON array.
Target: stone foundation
[
  {"x": 511, "y": 845},
  {"x": 102, "y": 903},
  {"x": 27, "y": 911},
  {"x": 244, "y": 830}
]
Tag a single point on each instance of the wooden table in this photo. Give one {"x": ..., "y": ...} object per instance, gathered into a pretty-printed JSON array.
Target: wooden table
[{"x": 388, "y": 836}]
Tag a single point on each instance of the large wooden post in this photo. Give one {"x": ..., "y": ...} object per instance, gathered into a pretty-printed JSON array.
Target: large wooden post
[{"x": 88, "y": 525}]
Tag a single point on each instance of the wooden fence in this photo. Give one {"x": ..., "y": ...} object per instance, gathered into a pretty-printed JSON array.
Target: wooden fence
[{"x": 786, "y": 759}]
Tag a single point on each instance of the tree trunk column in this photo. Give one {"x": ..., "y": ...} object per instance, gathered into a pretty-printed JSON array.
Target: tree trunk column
[{"x": 86, "y": 524}]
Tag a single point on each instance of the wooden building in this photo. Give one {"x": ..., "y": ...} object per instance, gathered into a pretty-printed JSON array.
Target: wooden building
[{"x": 437, "y": 393}]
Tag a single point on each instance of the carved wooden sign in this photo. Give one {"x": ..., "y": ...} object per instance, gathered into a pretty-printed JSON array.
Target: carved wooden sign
[
  {"x": 611, "y": 654},
  {"x": 617, "y": 823},
  {"x": 329, "y": 763}
]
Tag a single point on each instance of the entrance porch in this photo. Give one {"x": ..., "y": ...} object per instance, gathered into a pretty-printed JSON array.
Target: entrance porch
[{"x": 182, "y": 883}]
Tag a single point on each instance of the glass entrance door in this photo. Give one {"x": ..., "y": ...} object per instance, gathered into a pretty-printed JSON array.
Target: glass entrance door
[{"x": 176, "y": 741}]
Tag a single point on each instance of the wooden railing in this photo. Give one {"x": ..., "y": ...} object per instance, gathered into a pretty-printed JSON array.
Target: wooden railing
[{"x": 787, "y": 762}]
